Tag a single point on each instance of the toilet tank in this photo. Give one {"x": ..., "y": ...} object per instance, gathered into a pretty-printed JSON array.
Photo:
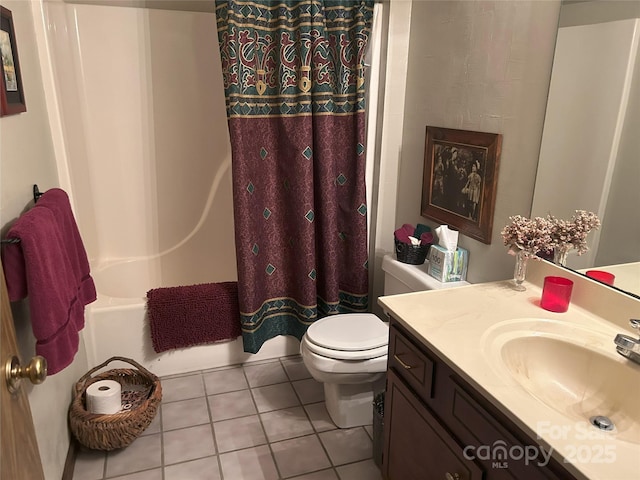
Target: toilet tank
[{"x": 405, "y": 278}]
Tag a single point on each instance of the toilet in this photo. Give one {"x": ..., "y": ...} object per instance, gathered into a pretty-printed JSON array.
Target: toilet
[{"x": 348, "y": 352}]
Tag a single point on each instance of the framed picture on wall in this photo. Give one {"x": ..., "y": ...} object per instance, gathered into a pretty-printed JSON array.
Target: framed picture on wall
[
  {"x": 11, "y": 92},
  {"x": 460, "y": 180}
]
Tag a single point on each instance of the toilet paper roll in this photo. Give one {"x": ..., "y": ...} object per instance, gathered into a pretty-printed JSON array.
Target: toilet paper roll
[{"x": 103, "y": 397}]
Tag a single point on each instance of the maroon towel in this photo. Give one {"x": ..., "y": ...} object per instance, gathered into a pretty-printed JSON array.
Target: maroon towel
[
  {"x": 193, "y": 315},
  {"x": 403, "y": 233},
  {"x": 50, "y": 266}
]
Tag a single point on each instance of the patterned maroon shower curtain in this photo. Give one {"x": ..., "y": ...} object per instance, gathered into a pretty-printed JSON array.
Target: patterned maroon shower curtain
[{"x": 293, "y": 73}]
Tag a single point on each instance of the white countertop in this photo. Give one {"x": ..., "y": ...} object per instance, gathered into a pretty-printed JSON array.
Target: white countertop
[{"x": 464, "y": 325}]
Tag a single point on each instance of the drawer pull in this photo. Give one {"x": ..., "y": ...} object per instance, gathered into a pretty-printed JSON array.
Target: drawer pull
[
  {"x": 404, "y": 365},
  {"x": 448, "y": 476}
]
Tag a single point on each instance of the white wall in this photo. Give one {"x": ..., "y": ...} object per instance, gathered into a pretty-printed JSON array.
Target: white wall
[
  {"x": 394, "y": 65},
  {"x": 27, "y": 157},
  {"x": 483, "y": 66}
]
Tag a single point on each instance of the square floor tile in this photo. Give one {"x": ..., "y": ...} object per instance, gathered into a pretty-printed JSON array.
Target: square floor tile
[
  {"x": 188, "y": 444},
  {"x": 369, "y": 430},
  {"x": 235, "y": 412},
  {"x": 309, "y": 390},
  {"x": 201, "y": 469},
  {"x": 347, "y": 445},
  {"x": 366, "y": 470},
  {"x": 156, "y": 424},
  {"x": 227, "y": 380},
  {"x": 319, "y": 417},
  {"x": 261, "y": 374},
  {"x": 182, "y": 388},
  {"x": 250, "y": 464},
  {"x": 239, "y": 433},
  {"x": 155, "y": 474},
  {"x": 321, "y": 475},
  {"x": 274, "y": 397},
  {"x": 224, "y": 406},
  {"x": 142, "y": 454},
  {"x": 286, "y": 423},
  {"x": 300, "y": 455},
  {"x": 185, "y": 413},
  {"x": 295, "y": 368},
  {"x": 89, "y": 465}
]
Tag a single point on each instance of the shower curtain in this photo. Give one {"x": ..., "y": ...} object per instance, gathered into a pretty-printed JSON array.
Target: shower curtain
[{"x": 294, "y": 85}]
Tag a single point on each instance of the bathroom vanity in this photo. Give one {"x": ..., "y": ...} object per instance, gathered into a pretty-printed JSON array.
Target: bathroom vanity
[
  {"x": 482, "y": 383},
  {"x": 444, "y": 414}
]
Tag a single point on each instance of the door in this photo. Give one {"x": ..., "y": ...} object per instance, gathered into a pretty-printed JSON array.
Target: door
[
  {"x": 417, "y": 446},
  {"x": 19, "y": 456}
]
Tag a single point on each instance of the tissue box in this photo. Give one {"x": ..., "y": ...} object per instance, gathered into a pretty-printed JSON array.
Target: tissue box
[{"x": 448, "y": 266}]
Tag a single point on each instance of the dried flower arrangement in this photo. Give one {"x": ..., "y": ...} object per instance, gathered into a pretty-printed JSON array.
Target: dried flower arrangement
[
  {"x": 529, "y": 235},
  {"x": 567, "y": 234},
  {"x": 543, "y": 235}
]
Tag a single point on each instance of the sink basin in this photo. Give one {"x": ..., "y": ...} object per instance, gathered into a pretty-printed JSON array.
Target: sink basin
[{"x": 574, "y": 371}]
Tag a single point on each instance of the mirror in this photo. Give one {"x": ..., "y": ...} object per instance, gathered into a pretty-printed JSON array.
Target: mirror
[{"x": 590, "y": 146}]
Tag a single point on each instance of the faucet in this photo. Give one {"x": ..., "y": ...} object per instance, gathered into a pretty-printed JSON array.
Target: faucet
[{"x": 628, "y": 346}]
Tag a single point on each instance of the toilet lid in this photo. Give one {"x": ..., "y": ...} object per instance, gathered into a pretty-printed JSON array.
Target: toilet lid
[
  {"x": 349, "y": 332},
  {"x": 352, "y": 355}
]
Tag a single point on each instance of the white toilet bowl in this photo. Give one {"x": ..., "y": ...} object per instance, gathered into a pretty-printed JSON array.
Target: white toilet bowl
[{"x": 347, "y": 353}]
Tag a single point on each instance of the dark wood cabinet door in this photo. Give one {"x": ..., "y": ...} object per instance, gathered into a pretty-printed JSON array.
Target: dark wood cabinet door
[{"x": 417, "y": 447}]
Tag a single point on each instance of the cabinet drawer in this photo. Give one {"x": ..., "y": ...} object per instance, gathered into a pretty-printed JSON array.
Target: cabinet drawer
[{"x": 411, "y": 363}]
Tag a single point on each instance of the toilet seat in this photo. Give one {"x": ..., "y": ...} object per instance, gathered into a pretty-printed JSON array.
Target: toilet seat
[
  {"x": 332, "y": 370},
  {"x": 354, "y": 336},
  {"x": 347, "y": 354}
]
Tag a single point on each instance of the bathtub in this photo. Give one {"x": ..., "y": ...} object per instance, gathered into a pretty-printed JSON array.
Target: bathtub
[
  {"x": 147, "y": 165},
  {"x": 117, "y": 324}
]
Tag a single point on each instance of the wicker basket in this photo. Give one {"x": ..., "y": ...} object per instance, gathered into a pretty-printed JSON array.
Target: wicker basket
[
  {"x": 109, "y": 432},
  {"x": 413, "y": 254}
]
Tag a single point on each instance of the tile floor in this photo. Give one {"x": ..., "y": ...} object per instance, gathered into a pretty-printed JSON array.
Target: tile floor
[{"x": 260, "y": 421}]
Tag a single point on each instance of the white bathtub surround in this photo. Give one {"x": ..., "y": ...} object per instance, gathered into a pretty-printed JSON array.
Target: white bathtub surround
[
  {"x": 124, "y": 330},
  {"x": 146, "y": 162}
]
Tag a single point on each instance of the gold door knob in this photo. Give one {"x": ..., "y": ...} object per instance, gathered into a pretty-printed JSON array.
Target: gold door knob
[
  {"x": 449, "y": 476},
  {"x": 36, "y": 371}
]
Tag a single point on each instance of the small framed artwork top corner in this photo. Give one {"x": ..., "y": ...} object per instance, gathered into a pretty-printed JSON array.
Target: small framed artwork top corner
[{"x": 12, "y": 99}]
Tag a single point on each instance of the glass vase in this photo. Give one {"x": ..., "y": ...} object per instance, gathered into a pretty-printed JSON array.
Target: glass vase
[
  {"x": 520, "y": 271},
  {"x": 560, "y": 254}
]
